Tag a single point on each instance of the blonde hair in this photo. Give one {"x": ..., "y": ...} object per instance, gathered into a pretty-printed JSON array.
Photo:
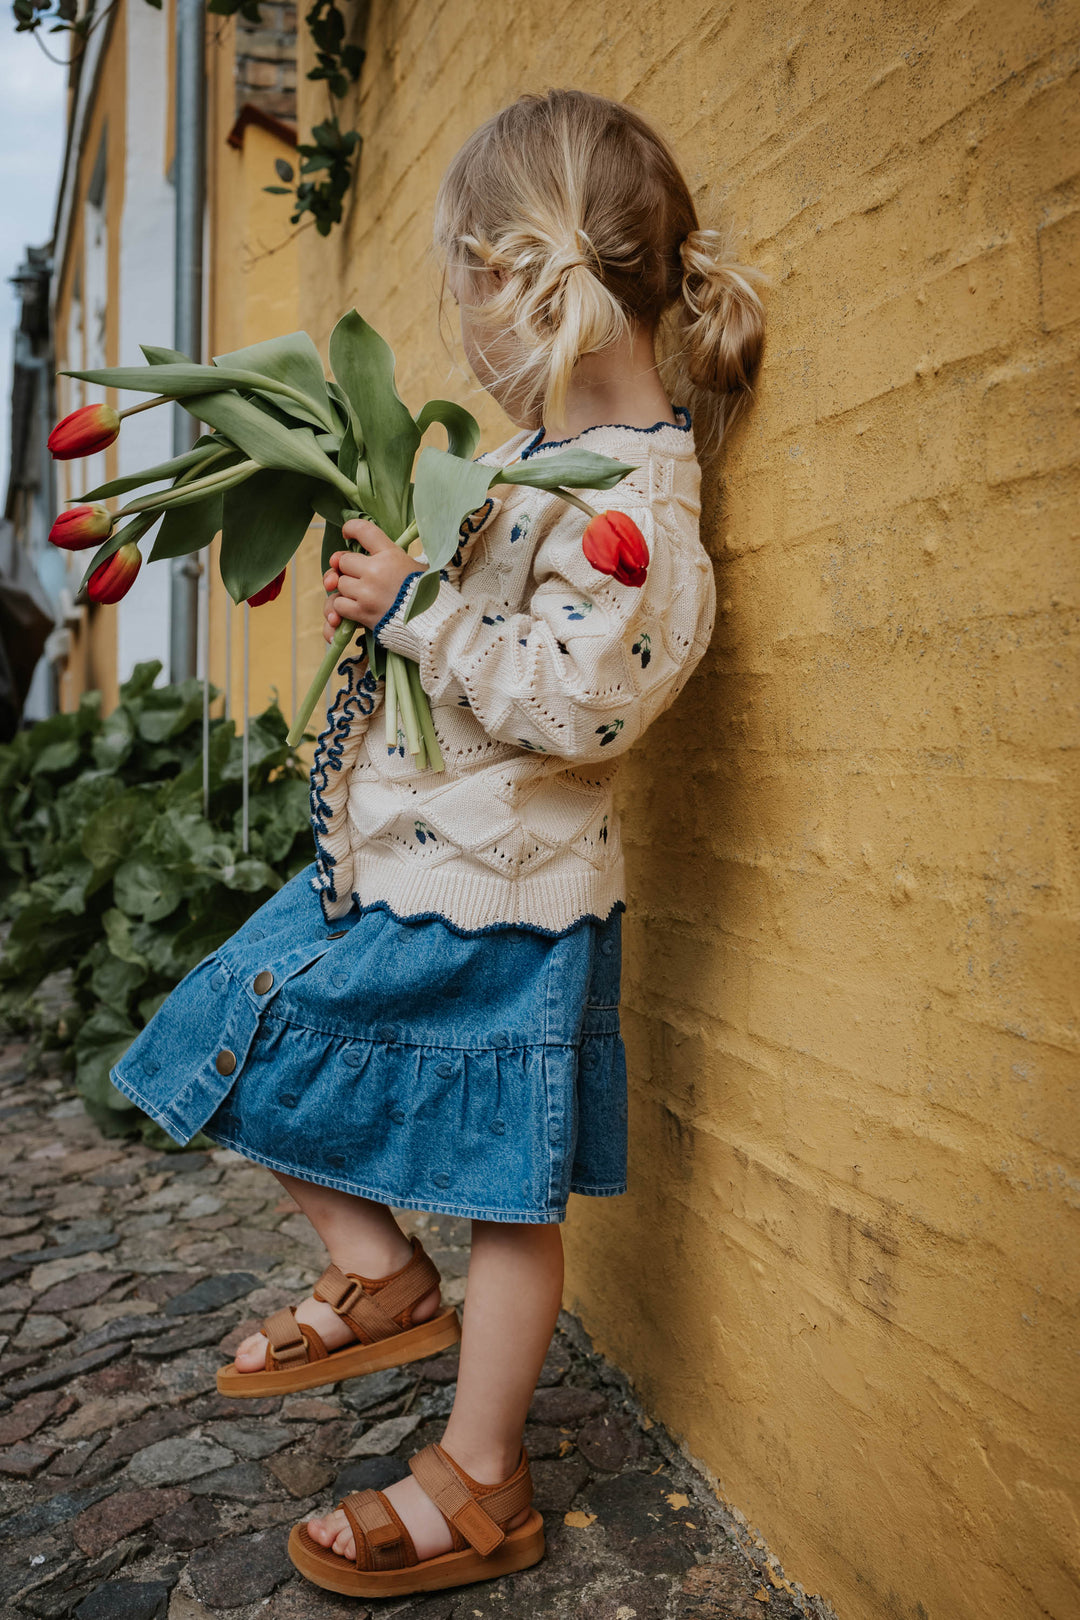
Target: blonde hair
[{"x": 581, "y": 205}]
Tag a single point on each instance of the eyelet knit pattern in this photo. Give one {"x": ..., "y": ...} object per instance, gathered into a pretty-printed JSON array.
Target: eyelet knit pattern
[{"x": 540, "y": 672}]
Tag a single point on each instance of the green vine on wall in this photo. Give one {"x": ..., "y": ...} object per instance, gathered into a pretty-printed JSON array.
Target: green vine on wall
[{"x": 327, "y": 161}]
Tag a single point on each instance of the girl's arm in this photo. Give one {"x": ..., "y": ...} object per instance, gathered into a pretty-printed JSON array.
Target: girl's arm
[{"x": 592, "y": 662}]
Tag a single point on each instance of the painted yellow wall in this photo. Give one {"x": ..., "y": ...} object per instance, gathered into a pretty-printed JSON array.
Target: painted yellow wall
[
  {"x": 845, "y": 1275},
  {"x": 92, "y": 660}
]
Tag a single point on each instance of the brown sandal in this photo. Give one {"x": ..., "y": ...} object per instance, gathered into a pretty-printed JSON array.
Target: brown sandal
[
  {"x": 379, "y": 1311},
  {"x": 386, "y": 1564}
]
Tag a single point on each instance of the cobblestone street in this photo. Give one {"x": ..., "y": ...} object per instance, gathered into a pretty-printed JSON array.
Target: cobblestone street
[{"x": 132, "y": 1490}]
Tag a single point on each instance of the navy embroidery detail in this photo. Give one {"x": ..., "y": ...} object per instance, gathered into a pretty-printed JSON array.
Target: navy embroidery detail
[
  {"x": 609, "y": 732},
  {"x": 488, "y": 928},
  {"x": 534, "y": 446},
  {"x": 403, "y": 591},
  {"x": 498, "y": 619},
  {"x": 356, "y": 697},
  {"x": 642, "y": 647},
  {"x": 521, "y": 527},
  {"x": 536, "y": 748},
  {"x": 578, "y": 610},
  {"x": 424, "y": 832}
]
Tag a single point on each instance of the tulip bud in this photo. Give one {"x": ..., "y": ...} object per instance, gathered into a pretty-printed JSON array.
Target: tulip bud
[
  {"x": 268, "y": 592},
  {"x": 615, "y": 545},
  {"x": 83, "y": 432},
  {"x": 81, "y": 526},
  {"x": 116, "y": 574}
]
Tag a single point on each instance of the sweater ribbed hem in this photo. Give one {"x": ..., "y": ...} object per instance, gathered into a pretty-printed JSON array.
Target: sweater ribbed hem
[
  {"x": 550, "y": 903},
  {"x": 412, "y": 638}
]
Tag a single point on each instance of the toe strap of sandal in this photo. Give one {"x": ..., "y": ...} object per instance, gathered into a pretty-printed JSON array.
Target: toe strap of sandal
[
  {"x": 291, "y": 1343},
  {"x": 382, "y": 1541},
  {"x": 472, "y": 1509}
]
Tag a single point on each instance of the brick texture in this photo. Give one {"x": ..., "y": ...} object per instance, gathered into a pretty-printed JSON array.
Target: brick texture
[{"x": 846, "y": 1270}]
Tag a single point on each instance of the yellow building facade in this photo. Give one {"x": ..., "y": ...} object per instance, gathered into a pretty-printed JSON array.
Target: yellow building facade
[{"x": 845, "y": 1274}]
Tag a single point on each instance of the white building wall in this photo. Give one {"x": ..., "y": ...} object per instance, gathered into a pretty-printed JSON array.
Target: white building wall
[{"x": 145, "y": 310}]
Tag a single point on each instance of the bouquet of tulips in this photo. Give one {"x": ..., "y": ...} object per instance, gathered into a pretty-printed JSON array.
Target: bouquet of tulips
[{"x": 283, "y": 444}]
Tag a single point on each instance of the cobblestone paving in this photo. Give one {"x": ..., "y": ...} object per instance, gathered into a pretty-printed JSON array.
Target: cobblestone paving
[{"x": 132, "y": 1490}]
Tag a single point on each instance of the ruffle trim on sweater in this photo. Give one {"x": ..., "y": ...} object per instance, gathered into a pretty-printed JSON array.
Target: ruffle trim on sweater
[
  {"x": 682, "y": 424},
  {"x": 488, "y": 928}
]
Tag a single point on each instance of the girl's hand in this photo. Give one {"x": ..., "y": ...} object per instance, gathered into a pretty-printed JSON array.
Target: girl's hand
[{"x": 365, "y": 587}]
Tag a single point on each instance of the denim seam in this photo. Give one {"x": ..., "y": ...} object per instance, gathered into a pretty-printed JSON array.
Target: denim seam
[{"x": 413, "y": 1045}]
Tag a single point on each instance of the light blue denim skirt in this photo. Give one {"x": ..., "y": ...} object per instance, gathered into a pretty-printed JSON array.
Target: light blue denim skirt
[{"x": 478, "y": 1074}]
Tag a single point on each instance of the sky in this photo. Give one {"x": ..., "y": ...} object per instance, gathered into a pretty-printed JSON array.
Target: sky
[{"x": 31, "y": 143}]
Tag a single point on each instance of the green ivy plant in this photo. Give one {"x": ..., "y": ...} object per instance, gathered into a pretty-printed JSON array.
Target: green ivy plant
[
  {"x": 109, "y": 868},
  {"x": 327, "y": 162}
]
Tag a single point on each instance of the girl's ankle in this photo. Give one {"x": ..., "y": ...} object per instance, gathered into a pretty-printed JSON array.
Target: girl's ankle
[{"x": 485, "y": 1464}]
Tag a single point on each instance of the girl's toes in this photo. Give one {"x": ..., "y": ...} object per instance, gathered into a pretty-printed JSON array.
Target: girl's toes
[
  {"x": 328, "y": 1530},
  {"x": 251, "y": 1355},
  {"x": 344, "y": 1545}
]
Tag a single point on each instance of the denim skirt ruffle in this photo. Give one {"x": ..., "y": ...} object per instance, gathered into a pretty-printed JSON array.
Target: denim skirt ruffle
[{"x": 477, "y": 1074}]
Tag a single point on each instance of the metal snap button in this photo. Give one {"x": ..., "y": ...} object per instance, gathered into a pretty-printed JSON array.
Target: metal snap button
[
  {"x": 397, "y": 1115},
  {"x": 445, "y": 1071},
  {"x": 225, "y": 1062},
  {"x": 151, "y": 1065},
  {"x": 264, "y": 981},
  {"x": 385, "y": 1032},
  {"x": 339, "y": 935},
  {"x": 498, "y": 1127},
  {"x": 500, "y": 1037},
  {"x": 607, "y": 946},
  {"x": 219, "y": 981},
  {"x": 340, "y": 980},
  {"x": 287, "y": 1100},
  {"x": 351, "y": 1059},
  {"x": 442, "y": 1179},
  {"x": 337, "y": 1160}
]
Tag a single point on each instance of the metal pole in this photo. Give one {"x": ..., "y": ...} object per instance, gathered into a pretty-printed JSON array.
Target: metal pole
[
  {"x": 245, "y": 747},
  {"x": 204, "y": 670},
  {"x": 189, "y": 178}
]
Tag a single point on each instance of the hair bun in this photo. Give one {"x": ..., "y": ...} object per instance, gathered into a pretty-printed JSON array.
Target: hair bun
[{"x": 722, "y": 319}]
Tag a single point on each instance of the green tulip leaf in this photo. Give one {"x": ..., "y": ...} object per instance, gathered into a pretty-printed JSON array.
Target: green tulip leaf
[
  {"x": 462, "y": 428},
  {"x": 264, "y": 522},
  {"x": 294, "y": 360},
  {"x": 185, "y": 381},
  {"x": 447, "y": 489},
  {"x": 204, "y": 451},
  {"x": 363, "y": 364},
  {"x": 264, "y": 439},
  {"x": 188, "y": 528},
  {"x": 164, "y": 357},
  {"x": 573, "y": 469}
]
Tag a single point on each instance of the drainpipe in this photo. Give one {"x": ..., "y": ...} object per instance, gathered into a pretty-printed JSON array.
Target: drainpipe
[{"x": 189, "y": 177}]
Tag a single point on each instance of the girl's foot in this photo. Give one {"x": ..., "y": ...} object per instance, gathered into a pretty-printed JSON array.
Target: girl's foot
[
  {"x": 331, "y": 1328},
  {"x": 421, "y": 1518}
]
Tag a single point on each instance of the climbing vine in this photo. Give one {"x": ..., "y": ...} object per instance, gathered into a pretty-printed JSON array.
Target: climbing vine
[{"x": 327, "y": 161}]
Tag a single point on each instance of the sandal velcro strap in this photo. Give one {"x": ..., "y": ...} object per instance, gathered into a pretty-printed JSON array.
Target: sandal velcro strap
[
  {"x": 287, "y": 1342},
  {"x": 441, "y": 1481},
  {"x": 377, "y": 1532},
  {"x": 371, "y": 1307}
]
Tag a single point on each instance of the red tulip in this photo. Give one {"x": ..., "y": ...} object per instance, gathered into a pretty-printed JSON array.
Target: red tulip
[
  {"x": 81, "y": 526},
  {"x": 83, "y": 432},
  {"x": 116, "y": 575},
  {"x": 268, "y": 592},
  {"x": 614, "y": 544}
]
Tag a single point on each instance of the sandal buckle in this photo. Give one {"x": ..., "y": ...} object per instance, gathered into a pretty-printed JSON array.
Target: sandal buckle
[
  {"x": 352, "y": 1295},
  {"x": 288, "y": 1355}
]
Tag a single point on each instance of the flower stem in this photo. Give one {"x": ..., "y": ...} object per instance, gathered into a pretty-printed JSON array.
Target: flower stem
[
  {"x": 147, "y": 405},
  {"x": 575, "y": 500},
  {"x": 341, "y": 640},
  {"x": 408, "y": 706},
  {"x": 427, "y": 725},
  {"x": 390, "y": 703}
]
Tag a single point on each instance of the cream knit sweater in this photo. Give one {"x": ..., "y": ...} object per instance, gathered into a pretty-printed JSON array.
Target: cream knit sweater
[{"x": 540, "y": 672}]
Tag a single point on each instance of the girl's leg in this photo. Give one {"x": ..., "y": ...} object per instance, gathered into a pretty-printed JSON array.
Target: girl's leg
[
  {"x": 511, "y": 1306},
  {"x": 360, "y": 1236}
]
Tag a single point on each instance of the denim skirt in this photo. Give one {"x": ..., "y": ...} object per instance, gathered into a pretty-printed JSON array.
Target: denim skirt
[{"x": 478, "y": 1074}]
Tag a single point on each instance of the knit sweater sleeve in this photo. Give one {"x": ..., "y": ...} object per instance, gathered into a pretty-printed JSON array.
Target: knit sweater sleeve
[{"x": 588, "y": 663}]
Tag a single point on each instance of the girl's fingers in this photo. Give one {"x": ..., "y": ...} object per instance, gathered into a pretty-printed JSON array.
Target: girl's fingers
[{"x": 347, "y": 608}]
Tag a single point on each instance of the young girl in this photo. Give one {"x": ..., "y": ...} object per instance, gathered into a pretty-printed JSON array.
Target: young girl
[{"x": 428, "y": 1017}]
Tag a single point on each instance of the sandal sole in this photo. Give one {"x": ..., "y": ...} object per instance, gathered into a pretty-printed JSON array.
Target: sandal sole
[
  {"x": 425, "y": 1339},
  {"x": 522, "y": 1548}
]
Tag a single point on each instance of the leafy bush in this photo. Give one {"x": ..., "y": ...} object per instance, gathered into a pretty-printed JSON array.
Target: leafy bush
[{"x": 109, "y": 868}]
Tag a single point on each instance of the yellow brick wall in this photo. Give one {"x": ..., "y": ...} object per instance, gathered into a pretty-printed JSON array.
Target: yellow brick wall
[{"x": 845, "y": 1274}]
